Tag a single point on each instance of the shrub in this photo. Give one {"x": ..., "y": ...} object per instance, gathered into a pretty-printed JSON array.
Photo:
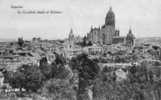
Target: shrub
[{"x": 59, "y": 89}]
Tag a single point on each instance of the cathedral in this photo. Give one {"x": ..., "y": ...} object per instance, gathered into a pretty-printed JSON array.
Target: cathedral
[{"x": 108, "y": 34}]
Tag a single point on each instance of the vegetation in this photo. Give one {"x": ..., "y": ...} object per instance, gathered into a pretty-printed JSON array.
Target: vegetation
[
  {"x": 59, "y": 89},
  {"x": 27, "y": 77},
  {"x": 88, "y": 70},
  {"x": 20, "y": 42},
  {"x": 140, "y": 84},
  {"x": 72, "y": 80},
  {"x": 33, "y": 78}
]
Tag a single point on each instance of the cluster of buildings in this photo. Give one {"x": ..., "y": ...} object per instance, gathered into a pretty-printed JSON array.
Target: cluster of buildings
[
  {"x": 102, "y": 39},
  {"x": 12, "y": 55},
  {"x": 108, "y": 34}
]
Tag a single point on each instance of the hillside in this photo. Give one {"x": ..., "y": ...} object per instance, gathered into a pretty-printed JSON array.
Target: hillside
[{"x": 149, "y": 40}]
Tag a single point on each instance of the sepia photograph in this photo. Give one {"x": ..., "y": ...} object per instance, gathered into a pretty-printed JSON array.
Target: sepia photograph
[{"x": 80, "y": 49}]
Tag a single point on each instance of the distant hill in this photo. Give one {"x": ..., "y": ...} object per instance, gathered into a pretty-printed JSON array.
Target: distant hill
[
  {"x": 149, "y": 40},
  {"x": 6, "y": 40}
]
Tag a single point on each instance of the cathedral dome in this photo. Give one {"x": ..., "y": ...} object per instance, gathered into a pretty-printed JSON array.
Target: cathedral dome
[{"x": 110, "y": 18}]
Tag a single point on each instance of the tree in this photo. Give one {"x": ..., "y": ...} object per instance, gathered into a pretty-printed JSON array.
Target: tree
[
  {"x": 89, "y": 43},
  {"x": 20, "y": 42},
  {"x": 58, "y": 68},
  {"x": 15, "y": 79},
  {"x": 59, "y": 59},
  {"x": 27, "y": 77},
  {"x": 59, "y": 89},
  {"x": 33, "y": 77},
  {"x": 88, "y": 71},
  {"x": 49, "y": 71},
  {"x": 84, "y": 43},
  {"x": 43, "y": 61}
]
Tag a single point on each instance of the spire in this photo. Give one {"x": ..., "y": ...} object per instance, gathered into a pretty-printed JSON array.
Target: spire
[
  {"x": 71, "y": 35},
  {"x": 130, "y": 38},
  {"x": 110, "y": 9},
  {"x": 130, "y": 30},
  {"x": 91, "y": 27},
  {"x": 71, "y": 31},
  {"x": 130, "y": 34}
]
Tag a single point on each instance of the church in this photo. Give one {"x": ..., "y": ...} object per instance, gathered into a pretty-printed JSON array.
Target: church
[{"x": 108, "y": 34}]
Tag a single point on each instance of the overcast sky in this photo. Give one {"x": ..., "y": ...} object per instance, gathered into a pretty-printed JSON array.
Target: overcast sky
[{"x": 143, "y": 16}]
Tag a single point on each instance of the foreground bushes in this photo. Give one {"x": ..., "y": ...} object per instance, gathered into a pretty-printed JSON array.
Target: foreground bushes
[
  {"x": 142, "y": 83},
  {"x": 59, "y": 89},
  {"x": 32, "y": 77},
  {"x": 55, "y": 81}
]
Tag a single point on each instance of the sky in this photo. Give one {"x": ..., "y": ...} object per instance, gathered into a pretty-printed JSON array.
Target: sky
[{"x": 142, "y": 16}]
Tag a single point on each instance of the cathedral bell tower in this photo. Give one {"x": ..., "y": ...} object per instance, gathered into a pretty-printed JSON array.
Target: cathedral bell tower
[
  {"x": 110, "y": 18},
  {"x": 109, "y": 28}
]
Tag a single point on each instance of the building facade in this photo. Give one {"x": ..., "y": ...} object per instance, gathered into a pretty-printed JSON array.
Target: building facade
[{"x": 107, "y": 34}]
